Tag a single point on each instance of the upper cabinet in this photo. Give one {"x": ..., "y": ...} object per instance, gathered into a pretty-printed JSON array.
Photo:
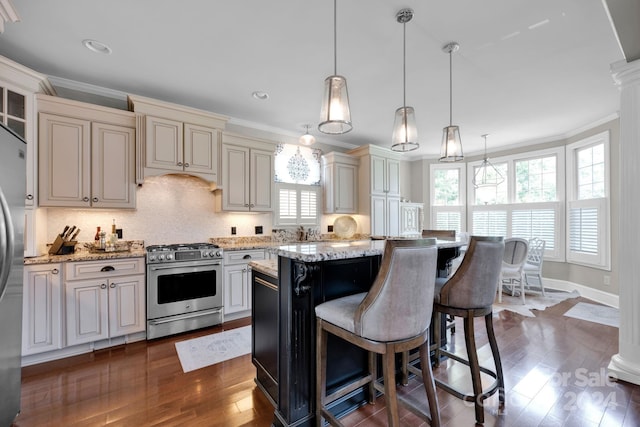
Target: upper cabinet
[
  {"x": 86, "y": 154},
  {"x": 340, "y": 183},
  {"x": 176, "y": 139},
  {"x": 247, "y": 174}
]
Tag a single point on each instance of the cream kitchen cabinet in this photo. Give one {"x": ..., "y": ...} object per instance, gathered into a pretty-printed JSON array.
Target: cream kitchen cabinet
[
  {"x": 42, "y": 320},
  {"x": 176, "y": 139},
  {"x": 104, "y": 299},
  {"x": 411, "y": 217},
  {"x": 340, "y": 183},
  {"x": 86, "y": 155},
  {"x": 237, "y": 280},
  {"x": 247, "y": 175},
  {"x": 379, "y": 190}
]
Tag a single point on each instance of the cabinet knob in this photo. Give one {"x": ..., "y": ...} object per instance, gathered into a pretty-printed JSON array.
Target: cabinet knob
[
  {"x": 85, "y": 199},
  {"x": 252, "y": 205},
  {"x": 107, "y": 268},
  {"x": 244, "y": 270},
  {"x": 186, "y": 165},
  {"x": 113, "y": 285},
  {"x": 95, "y": 199},
  {"x": 29, "y": 196},
  {"x": 103, "y": 286},
  {"x": 55, "y": 271},
  {"x": 179, "y": 163},
  {"x": 246, "y": 205}
]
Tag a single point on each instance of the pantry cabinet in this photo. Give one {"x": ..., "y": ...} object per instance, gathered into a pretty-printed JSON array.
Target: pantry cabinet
[
  {"x": 247, "y": 175},
  {"x": 237, "y": 280},
  {"x": 86, "y": 155},
  {"x": 379, "y": 189},
  {"x": 104, "y": 299},
  {"x": 340, "y": 183},
  {"x": 42, "y": 324},
  {"x": 173, "y": 138}
]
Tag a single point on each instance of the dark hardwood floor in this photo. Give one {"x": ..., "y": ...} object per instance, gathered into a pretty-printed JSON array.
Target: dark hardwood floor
[{"x": 555, "y": 369}]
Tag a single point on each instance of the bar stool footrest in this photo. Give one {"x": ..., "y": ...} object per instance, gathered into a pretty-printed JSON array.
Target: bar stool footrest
[{"x": 489, "y": 391}]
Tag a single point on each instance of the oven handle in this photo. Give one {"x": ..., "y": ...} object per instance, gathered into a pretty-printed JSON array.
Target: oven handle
[
  {"x": 155, "y": 322},
  {"x": 177, "y": 265}
]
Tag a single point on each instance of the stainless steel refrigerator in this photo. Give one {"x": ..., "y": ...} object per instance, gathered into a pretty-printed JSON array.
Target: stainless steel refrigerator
[{"x": 12, "y": 192}]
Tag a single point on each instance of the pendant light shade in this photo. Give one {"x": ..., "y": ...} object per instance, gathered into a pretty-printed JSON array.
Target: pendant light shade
[
  {"x": 405, "y": 130},
  {"x": 307, "y": 138},
  {"x": 335, "y": 115},
  {"x": 487, "y": 175},
  {"x": 451, "y": 149}
]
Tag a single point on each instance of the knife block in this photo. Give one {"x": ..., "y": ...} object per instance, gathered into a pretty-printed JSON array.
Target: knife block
[{"x": 60, "y": 247}]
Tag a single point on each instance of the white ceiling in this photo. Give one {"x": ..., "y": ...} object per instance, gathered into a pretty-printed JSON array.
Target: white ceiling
[{"x": 527, "y": 71}]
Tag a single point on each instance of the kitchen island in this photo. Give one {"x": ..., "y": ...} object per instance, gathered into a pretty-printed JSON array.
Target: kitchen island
[{"x": 309, "y": 274}]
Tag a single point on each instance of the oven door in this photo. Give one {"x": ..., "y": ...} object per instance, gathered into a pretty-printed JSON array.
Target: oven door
[{"x": 183, "y": 287}]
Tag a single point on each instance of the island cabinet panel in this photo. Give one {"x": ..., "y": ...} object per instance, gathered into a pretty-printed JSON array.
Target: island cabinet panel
[{"x": 303, "y": 286}]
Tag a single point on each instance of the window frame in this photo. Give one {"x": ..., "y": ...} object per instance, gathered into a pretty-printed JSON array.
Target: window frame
[
  {"x": 461, "y": 209},
  {"x": 601, "y": 260}
]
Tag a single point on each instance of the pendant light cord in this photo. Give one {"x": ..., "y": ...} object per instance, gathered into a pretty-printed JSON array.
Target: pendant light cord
[
  {"x": 335, "y": 39},
  {"x": 404, "y": 65},
  {"x": 450, "y": 88}
]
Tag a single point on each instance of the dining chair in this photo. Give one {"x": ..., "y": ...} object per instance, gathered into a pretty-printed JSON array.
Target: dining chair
[
  {"x": 515, "y": 255},
  {"x": 532, "y": 270},
  {"x": 392, "y": 317}
]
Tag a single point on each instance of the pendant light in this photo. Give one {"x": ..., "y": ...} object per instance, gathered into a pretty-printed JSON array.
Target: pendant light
[
  {"x": 335, "y": 117},
  {"x": 405, "y": 131},
  {"x": 451, "y": 149},
  {"x": 487, "y": 175},
  {"x": 307, "y": 138}
]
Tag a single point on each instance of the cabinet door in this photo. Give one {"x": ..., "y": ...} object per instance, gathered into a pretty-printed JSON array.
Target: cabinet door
[
  {"x": 236, "y": 288},
  {"x": 164, "y": 145},
  {"x": 65, "y": 161},
  {"x": 410, "y": 217},
  {"x": 42, "y": 309},
  {"x": 235, "y": 171},
  {"x": 378, "y": 215},
  {"x": 345, "y": 188},
  {"x": 126, "y": 305},
  {"x": 261, "y": 180},
  {"x": 378, "y": 175},
  {"x": 87, "y": 311},
  {"x": 393, "y": 177},
  {"x": 393, "y": 216},
  {"x": 201, "y": 150},
  {"x": 112, "y": 167}
]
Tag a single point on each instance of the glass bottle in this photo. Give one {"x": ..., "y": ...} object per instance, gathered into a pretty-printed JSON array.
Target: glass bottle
[{"x": 97, "y": 238}]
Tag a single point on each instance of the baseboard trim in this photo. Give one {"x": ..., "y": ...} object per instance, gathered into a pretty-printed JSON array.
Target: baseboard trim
[{"x": 596, "y": 295}]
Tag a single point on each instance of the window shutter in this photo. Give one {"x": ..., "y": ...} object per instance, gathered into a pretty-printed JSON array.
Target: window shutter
[
  {"x": 489, "y": 223},
  {"x": 308, "y": 207},
  {"x": 583, "y": 230},
  {"x": 447, "y": 220},
  {"x": 540, "y": 223}
]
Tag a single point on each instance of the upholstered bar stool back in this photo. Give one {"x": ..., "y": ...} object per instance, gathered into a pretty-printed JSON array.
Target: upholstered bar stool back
[
  {"x": 470, "y": 293},
  {"x": 392, "y": 317}
]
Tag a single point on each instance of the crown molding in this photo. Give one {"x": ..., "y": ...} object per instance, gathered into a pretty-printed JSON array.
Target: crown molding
[
  {"x": 8, "y": 13},
  {"x": 88, "y": 88}
]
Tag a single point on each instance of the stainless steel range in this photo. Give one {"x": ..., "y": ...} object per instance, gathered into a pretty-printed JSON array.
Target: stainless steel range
[{"x": 184, "y": 288}]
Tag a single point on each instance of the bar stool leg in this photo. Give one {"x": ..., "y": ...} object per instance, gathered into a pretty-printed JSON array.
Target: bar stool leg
[
  {"x": 436, "y": 336},
  {"x": 391, "y": 399},
  {"x": 474, "y": 365},
  {"x": 488, "y": 319},
  {"x": 429, "y": 384},
  {"x": 373, "y": 371},
  {"x": 321, "y": 371}
]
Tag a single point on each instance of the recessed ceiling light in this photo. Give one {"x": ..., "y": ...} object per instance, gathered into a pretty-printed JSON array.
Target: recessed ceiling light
[
  {"x": 96, "y": 46},
  {"x": 258, "y": 94}
]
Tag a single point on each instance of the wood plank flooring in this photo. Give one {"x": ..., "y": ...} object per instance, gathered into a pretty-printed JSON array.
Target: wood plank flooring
[{"x": 554, "y": 367}]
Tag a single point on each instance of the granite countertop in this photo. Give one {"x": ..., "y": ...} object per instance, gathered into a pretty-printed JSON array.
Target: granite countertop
[
  {"x": 266, "y": 266},
  {"x": 323, "y": 251},
  {"x": 84, "y": 252}
]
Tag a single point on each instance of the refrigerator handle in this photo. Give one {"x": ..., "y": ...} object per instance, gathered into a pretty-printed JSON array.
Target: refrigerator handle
[{"x": 6, "y": 243}]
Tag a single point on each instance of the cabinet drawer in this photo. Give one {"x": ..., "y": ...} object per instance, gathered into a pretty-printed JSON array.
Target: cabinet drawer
[
  {"x": 243, "y": 256},
  {"x": 103, "y": 268}
]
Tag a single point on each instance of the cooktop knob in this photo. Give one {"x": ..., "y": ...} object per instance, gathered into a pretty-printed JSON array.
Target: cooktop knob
[
  {"x": 169, "y": 256},
  {"x": 218, "y": 253},
  {"x": 152, "y": 257},
  {"x": 160, "y": 257}
]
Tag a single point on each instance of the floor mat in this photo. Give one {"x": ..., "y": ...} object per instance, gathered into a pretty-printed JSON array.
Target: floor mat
[
  {"x": 204, "y": 351},
  {"x": 602, "y": 314}
]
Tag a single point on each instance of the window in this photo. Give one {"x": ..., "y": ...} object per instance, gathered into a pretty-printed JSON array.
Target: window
[
  {"x": 588, "y": 230},
  {"x": 527, "y": 204},
  {"x": 297, "y": 176},
  {"x": 447, "y": 197}
]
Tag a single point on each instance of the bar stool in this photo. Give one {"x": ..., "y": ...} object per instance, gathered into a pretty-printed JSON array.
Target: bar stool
[
  {"x": 391, "y": 318},
  {"x": 470, "y": 293}
]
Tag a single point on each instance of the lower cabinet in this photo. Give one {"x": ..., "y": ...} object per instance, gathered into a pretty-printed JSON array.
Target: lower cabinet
[
  {"x": 237, "y": 279},
  {"x": 104, "y": 299},
  {"x": 42, "y": 309}
]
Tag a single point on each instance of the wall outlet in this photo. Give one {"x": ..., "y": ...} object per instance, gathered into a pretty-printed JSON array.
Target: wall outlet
[
  {"x": 607, "y": 280},
  {"x": 329, "y": 228},
  {"x": 119, "y": 232},
  {"x": 233, "y": 230},
  {"x": 258, "y": 229}
]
